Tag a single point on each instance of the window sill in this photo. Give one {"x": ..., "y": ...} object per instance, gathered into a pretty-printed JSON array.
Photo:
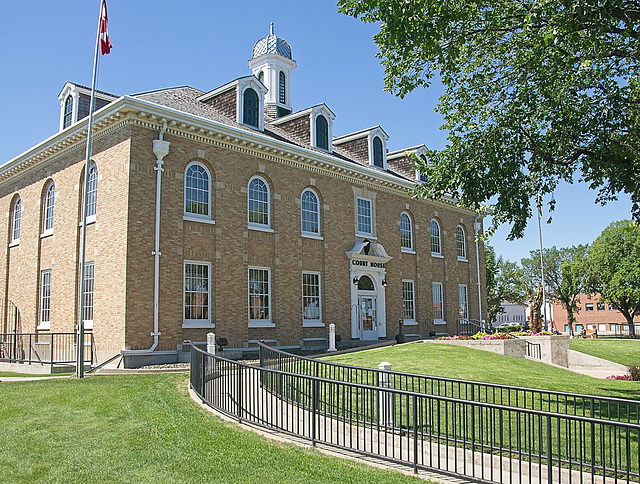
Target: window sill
[
  {"x": 90, "y": 220},
  {"x": 46, "y": 234},
  {"x": 88, "y": 325},
  {"x": 308, "y": 235},
  {"x": 312, "y": 324},
  {"x": 463, "y": 259},
  {"x": 366, "y": 236},
  {"x": 406, "y": 250},
  {"x": 261, "y": 324},
  {"x": 197, "y": 325},
  {"x": 410, "y": 322},
  {"x": 43, "y": 327},
  {"x": 439, "y": 321},
  {"x": 203, "y": 220},
  {"x": 260, "y": 228},
  {"x": 436, "y": 255},
  {"x": 14, "y": 243}
]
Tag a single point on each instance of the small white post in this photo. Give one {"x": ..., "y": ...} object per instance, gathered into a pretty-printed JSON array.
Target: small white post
[
  {"x": 385, "y": 399},
  {"x": 211, "y": 343},
  {"x": 332, "y": 337}
]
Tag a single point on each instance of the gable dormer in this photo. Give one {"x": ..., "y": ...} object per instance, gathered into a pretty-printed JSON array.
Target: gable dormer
[
  {"x": 242, "y": 100},
  {"x": 404, "y": 162},
  {"x": 368, "y": 146},
  {"x": 75, "y": 102},
  {"x": 313, "y": 126}
]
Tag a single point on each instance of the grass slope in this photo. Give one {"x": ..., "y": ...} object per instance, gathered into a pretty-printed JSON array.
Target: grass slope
[
  {"x": 468, "y": 364},
  {"x": 145, "y": 428},
  {"x": 623, "y": 351}
]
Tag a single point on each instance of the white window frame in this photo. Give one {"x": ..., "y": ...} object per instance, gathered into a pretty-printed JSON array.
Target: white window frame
[
  {"x": 16, "y": 217},
  {"x": 435, "y": 237},
  {"x": 412, "y": 320},
  {"x": 88, "y": 294},
  {"x": 197, "y": 322},
  {"x": 196, "y": 216},
  {"x": 463, "y": 301},
  {"x": 260, "y": 322},
  {"x": 461, "y": 243},
  {"x": 362, "y": 233},
  {"x": 92, "y": 189},
  {"x": 306, "y": 233},
  {"x": 255, "y": 225},
  {"x": 44, "y": 321},
  {"x": 49, "y": 209},
  {"x": 408, "y": 249},
  {"x": 312, "y": 322},
  {"x": 437, "y": 289}
]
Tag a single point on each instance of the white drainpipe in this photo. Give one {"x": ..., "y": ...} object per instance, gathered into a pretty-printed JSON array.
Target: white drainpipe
[
  {"x": 477, "y": 226},
  {"x": 160, "y": 149}
]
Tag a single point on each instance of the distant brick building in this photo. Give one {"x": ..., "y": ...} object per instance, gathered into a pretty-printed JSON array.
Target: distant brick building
[
  {"x": 268, "y": 226},
  {"x": 593, "y": 315}
]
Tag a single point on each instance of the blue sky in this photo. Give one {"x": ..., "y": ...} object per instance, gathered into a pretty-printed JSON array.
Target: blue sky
[{"x": 205, "y": 44}]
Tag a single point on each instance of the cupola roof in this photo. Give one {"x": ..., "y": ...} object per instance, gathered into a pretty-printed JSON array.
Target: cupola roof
[{"x": 272, "y": 44}]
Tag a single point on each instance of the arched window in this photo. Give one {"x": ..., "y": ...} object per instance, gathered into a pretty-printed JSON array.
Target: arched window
[
  {"x": 282, "y": 88},
  {"x": 377, "y": 153},
  {"x": 322, "y": 133},
  {"x": 406, "y": 233},
  {"x": 365, "y": 284},
  {"x": 92, "y": 192},
  {"x": 68, "y": 112},
  {"x": 250, "y": 113},
  {"x": 15, "y": 220},
  {"x": 261, "y": 76},
  {"x": 197, "y": 191},
  {"x": 436, "y": 247},
  {"x": 49, "y": 202},
  {"x": 258, "y": 202},
  {"x": 310, "y": 209},
  {"x": 461, "y": 243}
]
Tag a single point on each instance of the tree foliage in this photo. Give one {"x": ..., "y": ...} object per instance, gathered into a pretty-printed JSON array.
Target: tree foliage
[
  {"x": 505, "y": 282},
  {"x": 536, "y": 92},
  {"x": 614, "y": 260}
]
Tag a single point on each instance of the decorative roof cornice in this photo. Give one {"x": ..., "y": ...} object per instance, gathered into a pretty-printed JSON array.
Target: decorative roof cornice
[{"x": 129, "y": 110}]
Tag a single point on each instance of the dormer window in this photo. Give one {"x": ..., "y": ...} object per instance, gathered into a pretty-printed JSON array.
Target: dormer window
[
  {"x": 378, "y": 152},
  {"x": 68, "y": 112},
  {"x": 251, "y": 105},
  {"x": 282, "y": 88},
  {"x": 322, "y": 132}
]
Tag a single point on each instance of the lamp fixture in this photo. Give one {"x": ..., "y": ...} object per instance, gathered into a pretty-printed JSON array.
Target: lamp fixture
[
  {"x": 384, "y": 283},
  {"x": 356, "y": 280}
]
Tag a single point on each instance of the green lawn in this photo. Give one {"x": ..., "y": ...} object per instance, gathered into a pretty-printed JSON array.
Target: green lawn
[
  {"x": 468, "y": 364},
  {"x": 145, "y": 428},
  {"x": 623, "y": 351}
]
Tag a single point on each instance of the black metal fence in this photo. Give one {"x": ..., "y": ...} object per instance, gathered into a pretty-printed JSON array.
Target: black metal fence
[
  {"x": 47, "y": 349},
  {"x": 534, "y": 350},
  {"x": 369, "y": 412},
  {"x": 469, "y": 327},
  {"x": 626, "y": 330}
]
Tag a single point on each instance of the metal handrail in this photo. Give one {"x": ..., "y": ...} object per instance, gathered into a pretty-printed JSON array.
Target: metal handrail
[
  {"x": 450, "y": 435},
  {"x": 612, "y": 408},
  {"x": 21, "y": 347}
]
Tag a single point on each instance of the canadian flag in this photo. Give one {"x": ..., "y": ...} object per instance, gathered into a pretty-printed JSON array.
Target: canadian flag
[{"x": 105, "y": 45}]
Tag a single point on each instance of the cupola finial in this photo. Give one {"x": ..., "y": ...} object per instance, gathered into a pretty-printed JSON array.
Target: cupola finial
[{"x": 271, "y": 29}]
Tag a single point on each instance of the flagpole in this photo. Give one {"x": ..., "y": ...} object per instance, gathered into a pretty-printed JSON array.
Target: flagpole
[
  {"x": 544, "y": 296},
  {"x": 83, "y": 236}
]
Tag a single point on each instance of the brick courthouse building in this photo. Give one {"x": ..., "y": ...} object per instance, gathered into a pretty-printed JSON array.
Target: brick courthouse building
[{"x": 228, "y": 212}]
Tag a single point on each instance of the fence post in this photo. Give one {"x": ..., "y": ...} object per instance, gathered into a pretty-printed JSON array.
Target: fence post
[
  {"x": 549, "y": 452},
  {"x": 239, "y": 395},
  {"x": 385, "y": 399},
  {"x": 314, "y": 410},
  {"x": 415, "y": 434}
]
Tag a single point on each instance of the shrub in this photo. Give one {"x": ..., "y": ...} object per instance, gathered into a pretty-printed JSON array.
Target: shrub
[
  {"x": 634, "y": 372},
  {"x": 619, "y": 377}
]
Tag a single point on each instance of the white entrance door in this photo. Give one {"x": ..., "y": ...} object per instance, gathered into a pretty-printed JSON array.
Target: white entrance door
[{"x": 369, "y": 317}]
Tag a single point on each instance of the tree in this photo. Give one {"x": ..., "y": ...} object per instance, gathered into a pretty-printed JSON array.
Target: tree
[
  {"x": 505, "y": 282},
  {"x": 565, "y": 274},
  {"x": 535, "y": 93},
  {"x": 614, "y": 261}
]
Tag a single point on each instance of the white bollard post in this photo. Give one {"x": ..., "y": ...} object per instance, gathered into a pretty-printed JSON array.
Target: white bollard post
[
  {"x": 211, "y": 343},
  {"x": 332, "y": 337},
  {"x": 385, "y": 399}
]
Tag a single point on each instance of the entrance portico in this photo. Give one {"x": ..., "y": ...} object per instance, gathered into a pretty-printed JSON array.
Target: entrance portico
[{"x": 367, "y": 271}]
